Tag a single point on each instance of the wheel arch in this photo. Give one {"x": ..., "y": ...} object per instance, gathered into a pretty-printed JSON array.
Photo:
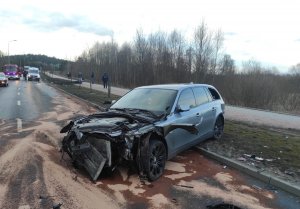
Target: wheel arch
[{"x": 162, "y": 139}]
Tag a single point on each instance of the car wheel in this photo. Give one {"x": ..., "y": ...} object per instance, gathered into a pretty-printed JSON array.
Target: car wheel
[
  {"x": 218, "y": 128},
  {"x": 156, "y": 159}
]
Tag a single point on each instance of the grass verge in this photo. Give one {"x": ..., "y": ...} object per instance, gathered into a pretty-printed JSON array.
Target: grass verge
[
  {"x": 278, "y": 148},
  {"x": 94, "y": 96}
]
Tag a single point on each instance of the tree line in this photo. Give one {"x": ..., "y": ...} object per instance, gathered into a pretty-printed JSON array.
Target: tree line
[{"x": 161, "y": 57}]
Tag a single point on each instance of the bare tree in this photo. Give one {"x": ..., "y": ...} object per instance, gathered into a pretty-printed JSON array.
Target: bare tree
[
  {"x": 203, "y": 51},
  {"x": 227, "y": 65},
  {"x": 217, "y": 44},
  {"x": 295, "y": 70}
]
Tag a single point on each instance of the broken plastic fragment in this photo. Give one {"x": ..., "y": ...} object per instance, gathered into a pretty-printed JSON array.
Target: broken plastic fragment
[
  {"x": 259, "y": 158},
  {"x": 242, "y": 159}
]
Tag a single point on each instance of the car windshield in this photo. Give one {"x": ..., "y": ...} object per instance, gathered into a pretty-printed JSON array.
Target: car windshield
[
  {"x": 11, "y": 68},
  {"x": 2, "y": 75},
  {"x": 155, "y": 100},
  {"x": 34, "y": 71}
]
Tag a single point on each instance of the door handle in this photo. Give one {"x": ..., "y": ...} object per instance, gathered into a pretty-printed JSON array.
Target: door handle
[
  {"x": 213, "y": 109},
  {"x": 198, "y": 115}
]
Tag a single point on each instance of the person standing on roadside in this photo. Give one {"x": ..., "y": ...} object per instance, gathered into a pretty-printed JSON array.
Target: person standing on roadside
[
  {"x": 25, "y": 72},
  {"x": 105, "y": 80},
  {"x": 80, "y": 77},
  {"x": 92, "y": 77}
]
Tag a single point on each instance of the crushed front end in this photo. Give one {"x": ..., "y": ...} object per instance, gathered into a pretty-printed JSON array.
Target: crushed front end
[{"x": 103, "y": 140}]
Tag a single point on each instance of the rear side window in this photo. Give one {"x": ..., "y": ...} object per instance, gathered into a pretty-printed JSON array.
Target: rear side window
[
  {"x": 187, "y": 98},
  {"x": 200, "y": 95},
  {"x": 214, "y": 94}
]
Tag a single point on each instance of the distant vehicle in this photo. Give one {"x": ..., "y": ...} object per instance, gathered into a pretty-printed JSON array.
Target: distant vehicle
[
  {"x": 3, "y": 80},
  {"x": 146, "y": 127},
  {"x": 33, "y": 74},
  {"x": 12, "y": 71}
]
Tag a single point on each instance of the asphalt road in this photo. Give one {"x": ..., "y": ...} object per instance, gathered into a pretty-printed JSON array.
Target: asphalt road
[
  {"x": 25, "y": 100},
  {"x": 32, "y": 174},
  {"x": 254, "y": 116}
]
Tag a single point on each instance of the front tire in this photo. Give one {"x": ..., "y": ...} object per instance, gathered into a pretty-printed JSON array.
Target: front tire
[
  {"x": 219, "y": 128},
  {"x": 157, "y": 156}
]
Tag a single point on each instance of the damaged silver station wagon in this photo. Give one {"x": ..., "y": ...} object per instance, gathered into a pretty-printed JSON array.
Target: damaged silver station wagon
[{"x": 145, "y": 127}]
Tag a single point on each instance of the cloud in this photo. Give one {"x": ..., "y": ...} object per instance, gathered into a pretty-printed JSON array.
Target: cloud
[
  {"x": 230, "y": 33},
  {"x": 54, "y": 21},
  {"x": 297, "y": 40}
]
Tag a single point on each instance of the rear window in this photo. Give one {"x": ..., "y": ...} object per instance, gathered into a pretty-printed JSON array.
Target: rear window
[
  {"x": 34, "y": 71},
  {"x": 214, "y": 94}
]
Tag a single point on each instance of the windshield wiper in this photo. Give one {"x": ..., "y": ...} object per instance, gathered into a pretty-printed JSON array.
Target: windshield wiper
[{"x": 119, "y": 109}]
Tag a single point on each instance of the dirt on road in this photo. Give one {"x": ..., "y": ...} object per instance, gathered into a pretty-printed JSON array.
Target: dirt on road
[{"x": 33, "y": 175}]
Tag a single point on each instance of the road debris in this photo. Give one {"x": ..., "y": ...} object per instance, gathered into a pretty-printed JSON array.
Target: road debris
[
  {"x": 174, "y": 200},
  {"x": 242, "y": 159},
  {"x": 256, "y": 187},
  {"x": 43, "y": 197},
  {"x": 186, "y": 186},
  {"x": 290, "y": 173},
  {"x": 222, "y": 206},
  {"x": 57, "y": 206}
]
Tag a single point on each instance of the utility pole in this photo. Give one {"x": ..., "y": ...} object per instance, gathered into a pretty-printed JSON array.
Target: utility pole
[{"x": 8, "y": 50}]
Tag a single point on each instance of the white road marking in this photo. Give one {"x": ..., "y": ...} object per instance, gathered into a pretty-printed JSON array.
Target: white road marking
[
  {"x": 19, "y": 93},
  {"x": 19, "y": 102},
  {"x": 19, "y": 124}
]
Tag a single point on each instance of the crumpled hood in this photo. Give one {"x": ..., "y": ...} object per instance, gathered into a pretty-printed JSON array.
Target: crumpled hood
[{"x": 101, "y": 123}]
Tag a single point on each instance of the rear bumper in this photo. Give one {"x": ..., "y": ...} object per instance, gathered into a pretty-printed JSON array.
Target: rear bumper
[{"x": 33, "y": 78}]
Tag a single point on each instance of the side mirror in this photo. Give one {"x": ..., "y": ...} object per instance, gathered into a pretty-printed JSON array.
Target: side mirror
[
  {"x": 182, "y": 108},
  {"x": 113, "y": 101}
]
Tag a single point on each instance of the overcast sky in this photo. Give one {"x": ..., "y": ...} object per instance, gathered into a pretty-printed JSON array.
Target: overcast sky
[{"x": 267, "y": 31}]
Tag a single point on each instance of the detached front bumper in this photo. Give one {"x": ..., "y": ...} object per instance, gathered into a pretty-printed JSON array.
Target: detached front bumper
[{"x": 91, "y": 153}]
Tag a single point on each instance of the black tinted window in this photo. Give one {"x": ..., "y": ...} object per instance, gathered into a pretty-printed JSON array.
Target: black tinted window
[
  {"x": 187, "y": 98},
  {"x": 200, "y": 95},
  {"x": 214, "y": 94}
]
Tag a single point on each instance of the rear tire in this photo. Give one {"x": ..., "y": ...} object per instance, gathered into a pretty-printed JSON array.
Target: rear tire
[
  {"x": 157, "y": 156},
  {"x": 219, "y": 128}
]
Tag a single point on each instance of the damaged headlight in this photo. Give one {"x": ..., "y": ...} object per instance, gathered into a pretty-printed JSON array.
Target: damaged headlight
[
  {"x": 78, "y": 134},
  {"x": 128, "y": 147},
  {"x": 129, "y": 141}
]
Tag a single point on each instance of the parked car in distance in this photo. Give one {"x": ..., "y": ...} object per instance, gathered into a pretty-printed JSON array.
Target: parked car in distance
[
  {"x": 33, "y": 74},
  {"x": 147, "y": 126},
  {"x": 12, "y": 71},
  {"x": 3, "y": 80}
]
